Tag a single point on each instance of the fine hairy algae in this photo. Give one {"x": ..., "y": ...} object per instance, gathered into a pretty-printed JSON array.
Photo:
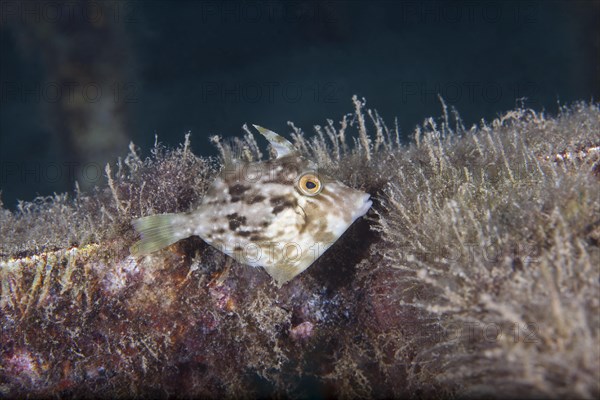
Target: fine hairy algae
[
  {"x": 475, "y": 271},
  {"x": 279, "y": 214}
]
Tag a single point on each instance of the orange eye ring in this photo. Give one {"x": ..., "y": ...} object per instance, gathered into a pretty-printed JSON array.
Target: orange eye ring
[{"x": 310, "y": 184}]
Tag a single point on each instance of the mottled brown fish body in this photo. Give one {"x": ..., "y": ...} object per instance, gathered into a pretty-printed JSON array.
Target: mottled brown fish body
[{"x": 280, "y": 214}]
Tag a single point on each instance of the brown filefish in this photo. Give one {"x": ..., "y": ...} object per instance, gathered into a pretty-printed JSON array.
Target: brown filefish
[{"x": 281, "y": 214}]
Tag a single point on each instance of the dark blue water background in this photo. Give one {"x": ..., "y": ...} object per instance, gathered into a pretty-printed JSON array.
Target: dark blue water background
[{"x": 209, "y": 67}]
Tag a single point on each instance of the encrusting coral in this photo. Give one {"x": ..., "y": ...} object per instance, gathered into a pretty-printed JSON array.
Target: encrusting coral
[{"x": 476, "y": 273}]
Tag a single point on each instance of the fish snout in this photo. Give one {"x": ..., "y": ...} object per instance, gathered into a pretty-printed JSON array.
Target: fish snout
[{"x": 363, "y": 205}]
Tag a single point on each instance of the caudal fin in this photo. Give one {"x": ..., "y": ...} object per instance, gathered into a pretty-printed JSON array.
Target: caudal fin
[{"x": 158, "y": 232}]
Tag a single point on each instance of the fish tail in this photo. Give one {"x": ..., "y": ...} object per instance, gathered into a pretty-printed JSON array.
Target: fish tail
[{"x": 158, "y": 232}]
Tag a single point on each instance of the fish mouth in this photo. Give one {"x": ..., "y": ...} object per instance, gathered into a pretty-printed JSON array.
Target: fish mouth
[{"x": 364, "y": 205}]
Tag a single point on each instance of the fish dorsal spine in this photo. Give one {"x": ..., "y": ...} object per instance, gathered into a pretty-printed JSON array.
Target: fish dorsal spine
[{"x": 282, "y": 146}]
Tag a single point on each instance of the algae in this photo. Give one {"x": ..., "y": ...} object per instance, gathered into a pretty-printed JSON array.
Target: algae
[{"x": 476, "y": 273}]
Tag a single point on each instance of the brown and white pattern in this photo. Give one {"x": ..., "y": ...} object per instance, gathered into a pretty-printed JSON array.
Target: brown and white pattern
[{"x": 280, "y": 214}]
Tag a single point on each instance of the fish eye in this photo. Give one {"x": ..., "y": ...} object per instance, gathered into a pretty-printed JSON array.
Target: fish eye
[{"x": 310, "y": 184}]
